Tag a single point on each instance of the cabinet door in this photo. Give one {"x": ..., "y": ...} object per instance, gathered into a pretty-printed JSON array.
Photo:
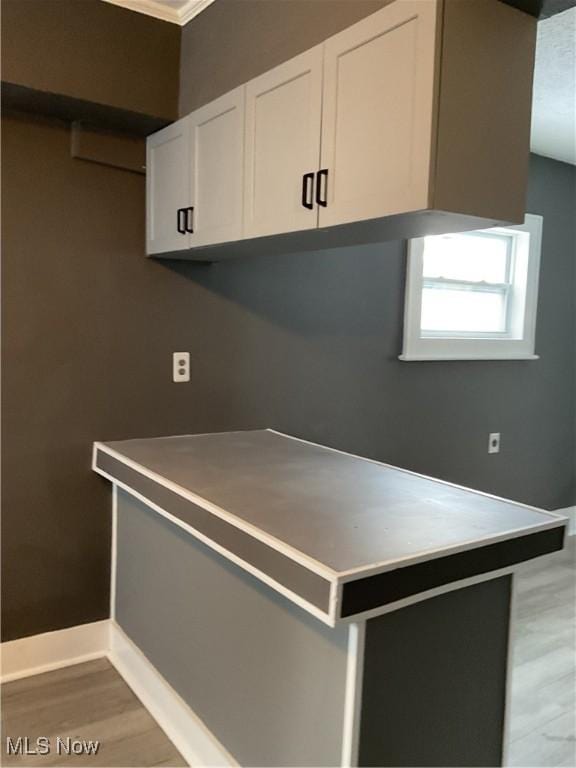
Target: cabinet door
[
  {"x": 283, "y": 124},
  {"x": 217, "y": 163},
  {"x": 167, "y": 188},
  {"x": 377, "y": 119}
]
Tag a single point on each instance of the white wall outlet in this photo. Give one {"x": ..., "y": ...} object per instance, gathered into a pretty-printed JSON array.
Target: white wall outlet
[
  {"x": 494, "y": 442},
  {"x": 180, "y": 366}
]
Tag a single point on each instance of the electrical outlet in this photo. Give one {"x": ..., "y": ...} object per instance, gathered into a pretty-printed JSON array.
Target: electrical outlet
[
  {"x": 180, "y": 367},
  {"x": 494, "y": 442}
]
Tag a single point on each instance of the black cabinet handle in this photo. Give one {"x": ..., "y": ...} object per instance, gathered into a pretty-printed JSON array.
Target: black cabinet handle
[
  {"x": 308, "y": 191},
  {"x": 319, "y": 199},
  {"x": 181, "y": 217},
  {"x": 189, "y": 219}
]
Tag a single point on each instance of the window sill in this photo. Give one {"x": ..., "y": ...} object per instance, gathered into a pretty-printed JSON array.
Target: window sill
[{"x": 431, "y": 358}]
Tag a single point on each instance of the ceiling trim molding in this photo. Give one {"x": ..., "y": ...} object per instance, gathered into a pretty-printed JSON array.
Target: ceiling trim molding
[
  {"x": 158, "y": 10},
  {"x": 191, "y": 9}
]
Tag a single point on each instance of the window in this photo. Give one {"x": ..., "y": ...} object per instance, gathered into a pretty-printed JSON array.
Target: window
[{"x": 473, "y": 295}]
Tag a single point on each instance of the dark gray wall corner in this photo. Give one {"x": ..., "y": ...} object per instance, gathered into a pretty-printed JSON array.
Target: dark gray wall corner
[
  {"x": 88, "y": 327},
  {"x": 552, "y": 7},
  {"x": 552, "y": 193}
]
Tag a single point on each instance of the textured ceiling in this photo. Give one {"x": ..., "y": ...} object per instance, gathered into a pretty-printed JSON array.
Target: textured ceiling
[{"x": 554, "y": 103}]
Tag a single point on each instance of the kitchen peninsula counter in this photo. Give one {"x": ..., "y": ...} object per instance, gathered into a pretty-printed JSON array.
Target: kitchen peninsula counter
[{"x": 375, "y": 579}]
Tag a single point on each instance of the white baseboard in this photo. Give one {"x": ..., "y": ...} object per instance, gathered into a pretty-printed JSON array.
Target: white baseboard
[
  {"x": 186, "y": 731},
  {"x": 52, "y": 650},
  {"x": 85, "y": 642},
  {"x": 570, "y": 513}
]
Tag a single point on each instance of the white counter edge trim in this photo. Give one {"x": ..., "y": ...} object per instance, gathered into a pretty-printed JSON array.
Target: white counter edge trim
[
  {"x": 335, "y": 577},
  {"x": 554, "y": 514},
  {"x": 329, "y": 619},
  {"x": 286, "y": 549},
  {"x": 353, "y": 694},
  {"x": 353, "y": 574}
]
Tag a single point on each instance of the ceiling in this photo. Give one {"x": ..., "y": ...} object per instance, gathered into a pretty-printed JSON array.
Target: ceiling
[
  {"x": 554, "y": 96},
  {"x": 554, "y": 103}
]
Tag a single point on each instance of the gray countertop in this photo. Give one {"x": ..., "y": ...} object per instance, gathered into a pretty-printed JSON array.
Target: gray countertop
[{"x": 346, "y": 513}]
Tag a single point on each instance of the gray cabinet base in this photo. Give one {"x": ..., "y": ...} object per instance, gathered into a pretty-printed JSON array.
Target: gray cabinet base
[
  {"x": 265, "y": 677},
  {"x": 434, "y": 680},
  {"x": 273, "y": 684}
]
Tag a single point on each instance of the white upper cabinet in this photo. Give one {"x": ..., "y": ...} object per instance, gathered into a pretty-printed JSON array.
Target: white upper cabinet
[
  {"x": 377, "y": 118},
  {"x": 414, "y": 121},
  {"x": 216, "y": 170},
  {"x": 283, "y": 119},
  {"x": 195, "y": 178},
  {"x": 167, "y": 189}
]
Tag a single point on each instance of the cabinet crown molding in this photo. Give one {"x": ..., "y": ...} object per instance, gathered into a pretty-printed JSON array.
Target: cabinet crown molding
[
  {"x": 363, "y": 138},
  {"x": 165, "y": 11}
]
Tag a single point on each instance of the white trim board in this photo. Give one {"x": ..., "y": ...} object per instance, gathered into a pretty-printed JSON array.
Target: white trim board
[
  {"x": 570, "y": 513},
  {"x": 518, "y": 342},
  {"x": 196, "y": 744},
  {"x": 37, "y": 654},
  {"x": 52, "y": 650},
  {"x": 353, "y": 695},
  {"x": 113, "y": 551},
  {"x": 165, "y": 11},
  {"x": 257, "y": 533},
  {"x": 509, "y": 672}
]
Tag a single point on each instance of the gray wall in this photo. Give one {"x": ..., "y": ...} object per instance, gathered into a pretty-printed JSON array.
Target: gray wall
[
  {"x": 94, "y": 51},
  {"x": 88, "y": 328},
  {"x": 74, "y": 311},
  {"x": 233, "y": 41},
  {"x": 309, "y": 343}
]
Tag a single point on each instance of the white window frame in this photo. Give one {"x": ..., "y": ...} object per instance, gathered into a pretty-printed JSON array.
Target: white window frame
[{"x": 518, "y": 343}]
